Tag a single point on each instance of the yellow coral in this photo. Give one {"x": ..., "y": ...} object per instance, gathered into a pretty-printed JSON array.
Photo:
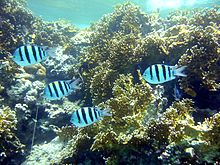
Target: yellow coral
[
  {"x": 128, "y": 107},
  {"x": 10, "y": 144}
]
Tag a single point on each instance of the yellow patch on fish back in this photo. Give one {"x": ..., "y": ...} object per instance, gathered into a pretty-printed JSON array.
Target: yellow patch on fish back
[{"x": 56, "y": 83}]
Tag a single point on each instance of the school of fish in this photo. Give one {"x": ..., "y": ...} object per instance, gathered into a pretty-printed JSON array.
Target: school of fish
[{"x": 32, "y": 54}]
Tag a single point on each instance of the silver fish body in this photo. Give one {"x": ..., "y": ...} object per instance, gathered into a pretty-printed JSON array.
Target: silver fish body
[
  {"x": 29, "y": 55},
  {"x": 58, "y": 89},
  {"x": 160, "y": 73},
  {"x": 85, "y": 116}
]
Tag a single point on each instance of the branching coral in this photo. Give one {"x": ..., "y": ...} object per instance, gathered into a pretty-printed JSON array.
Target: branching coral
[
  {"x": 139, "y": 129},
  {"x": 128, "y": 129},
  {"x": 209, "y": 151},
  {"x": 195, "y": 17},
  {"x": 112, "y": 49},
  {"x": 116, "y": 46},
  {"x": 127, "y": 18},
  {"x": 129, "y": 134},
  {"x": 18, "y": 85},
  {"x": 202, "y": 60},
  {"x": 20, "y": 27},
  {"x": 179, "y": 119},
  {"x": 54, "y": 34},
  {"x": 125, "y": 129},
  {"x": 8, "y": 71},
  {"x": 10, "y": 144},
  {"x": 136, "y": 123},
  {"x": 128, "y": 107},
  {"x": 182, "y": 132}
]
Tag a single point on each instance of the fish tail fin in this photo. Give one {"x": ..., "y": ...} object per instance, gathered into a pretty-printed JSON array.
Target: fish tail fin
[
  {"x": 105, "y": 112},
  {"x": 74, "y": 84},
  {"x": 53, "y": 51},
  {"x": 138, "y": 67},
  {"x": 179, "y": 71},
  {"x": 80, "y": 75}
]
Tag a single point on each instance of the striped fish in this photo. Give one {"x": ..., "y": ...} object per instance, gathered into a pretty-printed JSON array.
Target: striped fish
[
  {"x": 31, "y": 54},
  {"x": 160, "y": 73},
  {"x": 88, "y": 115},
  {"x": 58, "y": 89}
]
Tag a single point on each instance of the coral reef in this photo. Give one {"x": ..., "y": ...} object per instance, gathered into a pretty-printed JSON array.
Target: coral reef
[
  {"x": 47, "y": 151},
  {"x": 193, "y": 140},
  {"x": 124, "y": 44},
  {"x": 171, "y": 137},
  {"x": 21, "y": 27},
  {"x": 57, "y": 112},
  {"x": 7, "y": 71},
  {"x": 202, "y": 60},
  {"x": 33, "y": 94},
  {"x": 59, "y": 151},
  {"x": 37, "y": 71},
  {"x": 120, "y": 48},
  {"x": 145, "y": 127},
  {"x": 59, "y": 66},
  {"x": 129, "y": 107},
  {"x": 21, "y": 87},
  {"x": 192, "y": 38},
  {"x": 209, "y": 151},
  {"x": 25, "y": 91},
  {"x": 196, "y": 17},
  {"x": 10, "y": 144}
]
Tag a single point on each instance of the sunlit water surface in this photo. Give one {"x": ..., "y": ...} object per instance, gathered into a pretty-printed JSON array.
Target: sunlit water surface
[{"x": 83, "y": 12}]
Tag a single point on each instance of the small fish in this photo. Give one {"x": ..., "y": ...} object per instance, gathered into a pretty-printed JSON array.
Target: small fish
[
  {"x": 58, "y": 89},
  {"x": 31, "y": 54},
  {"x": 160, "y": 73},
  {"x": 88, "y": 115},
  {"x": 176, "y": 93}
]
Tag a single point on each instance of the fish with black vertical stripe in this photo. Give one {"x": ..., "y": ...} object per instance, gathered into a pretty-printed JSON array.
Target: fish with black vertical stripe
[
  {"x": 85, "y": 116},
  {"x": 160, "y": 73},
  {"x": 32, "y": 54},
  {"x": 58, "y": 89}
]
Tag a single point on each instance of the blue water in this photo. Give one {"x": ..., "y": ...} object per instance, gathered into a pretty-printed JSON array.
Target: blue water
[{"x": 83, "y": 12}]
